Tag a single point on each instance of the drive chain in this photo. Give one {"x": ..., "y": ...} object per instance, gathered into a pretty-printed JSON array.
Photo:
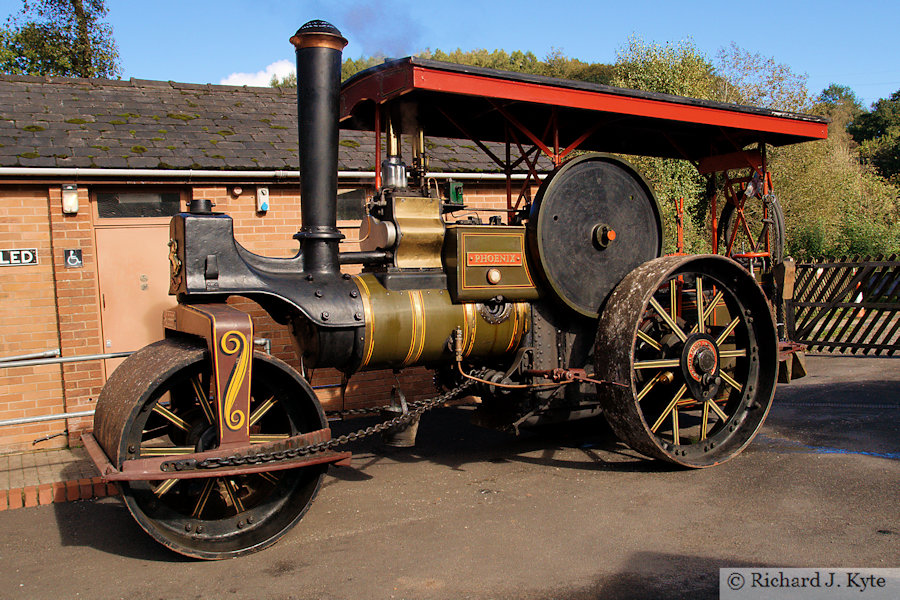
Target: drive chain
[{"x": 416, "y": 409}]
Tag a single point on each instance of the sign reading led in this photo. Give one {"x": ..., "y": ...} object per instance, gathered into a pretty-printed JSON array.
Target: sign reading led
[{"x": 19, "y": 257}]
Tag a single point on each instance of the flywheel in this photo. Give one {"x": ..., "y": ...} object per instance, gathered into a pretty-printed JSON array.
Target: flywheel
[
  {"x": 594, "y": 220},
  {"x": 690, "y": 343}
]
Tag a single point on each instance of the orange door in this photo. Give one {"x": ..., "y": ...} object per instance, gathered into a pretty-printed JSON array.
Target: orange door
[{"x": 134, "y": 286}]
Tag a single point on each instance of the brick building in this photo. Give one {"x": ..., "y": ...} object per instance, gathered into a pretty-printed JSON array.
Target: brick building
[{"x": 91, "y": 170}]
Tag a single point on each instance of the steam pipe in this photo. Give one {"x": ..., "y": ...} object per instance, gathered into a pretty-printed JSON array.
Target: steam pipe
[
  {"x": 365, "y": 258},
  {"x": 318, "y": 45}
]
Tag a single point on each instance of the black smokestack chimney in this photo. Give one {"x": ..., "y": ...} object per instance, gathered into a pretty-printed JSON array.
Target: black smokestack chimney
[{"x": 318, "y": 45}]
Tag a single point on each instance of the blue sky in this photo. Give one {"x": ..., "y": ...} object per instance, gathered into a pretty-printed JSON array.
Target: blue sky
[{"x": 205, "y": 41}]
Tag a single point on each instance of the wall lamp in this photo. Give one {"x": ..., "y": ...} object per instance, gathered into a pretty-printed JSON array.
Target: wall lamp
[{"x": 70, "y": 199}]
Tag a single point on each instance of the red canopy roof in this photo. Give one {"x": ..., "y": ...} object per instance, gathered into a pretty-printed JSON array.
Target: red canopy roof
[{"x": 449, "y": 99}]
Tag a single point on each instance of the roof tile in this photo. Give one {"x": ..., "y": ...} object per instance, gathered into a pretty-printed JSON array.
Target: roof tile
[{"x": 65, "y": 122}]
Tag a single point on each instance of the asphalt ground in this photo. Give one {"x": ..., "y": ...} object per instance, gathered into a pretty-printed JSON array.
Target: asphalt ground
[{"x": 564, "y": 513}]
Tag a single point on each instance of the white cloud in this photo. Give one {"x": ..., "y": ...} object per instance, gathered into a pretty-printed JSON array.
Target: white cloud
[{"x": 262, "y": 78}]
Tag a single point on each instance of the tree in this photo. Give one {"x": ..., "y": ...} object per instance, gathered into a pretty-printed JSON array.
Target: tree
[
  {"x": 59, "y": 37},
  {"x": 883, "y": 153},
  {"x": 289, "y": 80},
  {"x": 758, "y": 80},
  {"x": 834, "y": 202},
  {"x": 840, "y": 104},
  {"x": 884, "y": 115},
  {"x": 673, "y": 68},
  {"x": 349, "y": 68},
  {"x": 878, "y": 133},
  {"x": 837, "y": 96},
  {"x": 555, "y": 64},
  {"x": 833, "y": 205},
  {"x": 518, "y": 61}
]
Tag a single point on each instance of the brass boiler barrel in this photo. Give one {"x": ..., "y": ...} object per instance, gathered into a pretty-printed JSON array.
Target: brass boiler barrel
[{"x": 410, "y": 327}]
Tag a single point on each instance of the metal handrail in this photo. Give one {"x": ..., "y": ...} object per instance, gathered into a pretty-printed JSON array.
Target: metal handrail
[
  {"x": 56, "y": 417},
  {"x": 51, "y": 357},
  {"x": 46, "y": 354},
  {"x": 89, "y": 413},
  {"x": 27, "y": 360},
  {"x": 8, "y": 364}
]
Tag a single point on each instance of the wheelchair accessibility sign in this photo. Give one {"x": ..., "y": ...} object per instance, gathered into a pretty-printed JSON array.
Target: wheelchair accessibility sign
[{"x": 73, "y": 259}]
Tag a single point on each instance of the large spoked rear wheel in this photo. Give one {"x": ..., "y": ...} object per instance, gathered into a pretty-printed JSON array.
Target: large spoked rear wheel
[
  {"x": 759, "y": 238},
  {"x": 157, "y": 404},
  {"x": 692, "y": 343}
]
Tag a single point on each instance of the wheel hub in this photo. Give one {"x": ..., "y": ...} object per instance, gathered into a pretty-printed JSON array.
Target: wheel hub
[
  {"x": 207, "y": 439},
  {"x": 700, "y": 365}
]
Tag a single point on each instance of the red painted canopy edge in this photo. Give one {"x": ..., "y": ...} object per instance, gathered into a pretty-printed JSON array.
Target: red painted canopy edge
[{"x": 449, "y": 98}]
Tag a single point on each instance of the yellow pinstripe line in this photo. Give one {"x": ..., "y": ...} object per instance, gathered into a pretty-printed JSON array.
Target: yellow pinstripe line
[
  {"x": 473, "y": 315},
  {"x": 369, "y": 330},
  {"x": 465, "y": 341},
  {"x": 468, "y": 318},
  {"x": 523, "y": 307},
  {"x": 412, "y": 336},
  {"x": 515, "y": 331},
  {"x": 420, "y": 301}
]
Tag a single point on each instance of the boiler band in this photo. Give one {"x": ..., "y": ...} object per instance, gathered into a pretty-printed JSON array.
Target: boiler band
[{"x": 407, "y": 327}]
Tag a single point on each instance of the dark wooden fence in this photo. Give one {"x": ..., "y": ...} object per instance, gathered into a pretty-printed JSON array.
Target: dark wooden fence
[{"x": 849, "y": 305}]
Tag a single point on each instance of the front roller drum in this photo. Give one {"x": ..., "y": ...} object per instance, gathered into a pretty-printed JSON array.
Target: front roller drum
[
  {"x": 156, "y": 404},
  {"x": 691, "y": 344}
]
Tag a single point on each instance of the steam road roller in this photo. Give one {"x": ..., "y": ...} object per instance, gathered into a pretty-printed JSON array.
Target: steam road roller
[{"x": 558, "y": 307}]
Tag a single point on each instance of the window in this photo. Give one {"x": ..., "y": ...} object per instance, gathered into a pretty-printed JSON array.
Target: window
[
  {"x": 124, "y": 205},
  {"x": 351, "y": 205}
]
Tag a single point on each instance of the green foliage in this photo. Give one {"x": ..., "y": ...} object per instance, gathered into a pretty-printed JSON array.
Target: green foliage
[
  {"x": 289, "y": 80},
  {"x": 672, "y": 180},
  {"x": 837, "y": 98},
  {"x": 834, "y": 202},
  {"x": 518, "y": 61},
  {"x": 758, "y": 80},
  {"x": 674, "y": 68},
  {"x": 840, "y": 104},
  {"x": 884, "y": 115},
  {"x": 351, "y": 67},
  {"x": 59, "y": 37},
  {"x": 878, "y": 133},
  {"x": 864, "y": 236},
  {"x": 833, "y": 205},
  {"x": 555, "y": 64},
  {"x": 883, "y": 153}
]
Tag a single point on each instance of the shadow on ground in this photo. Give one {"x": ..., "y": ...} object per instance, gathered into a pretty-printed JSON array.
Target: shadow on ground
[
  {"x": 658, "y": 576},
  {"x": 447, "y": 438},
  {"x": 112, "y": 530}
]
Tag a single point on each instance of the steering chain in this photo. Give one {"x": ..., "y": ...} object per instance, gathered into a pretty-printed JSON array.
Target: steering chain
[{"x": 416, "y": 409}]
